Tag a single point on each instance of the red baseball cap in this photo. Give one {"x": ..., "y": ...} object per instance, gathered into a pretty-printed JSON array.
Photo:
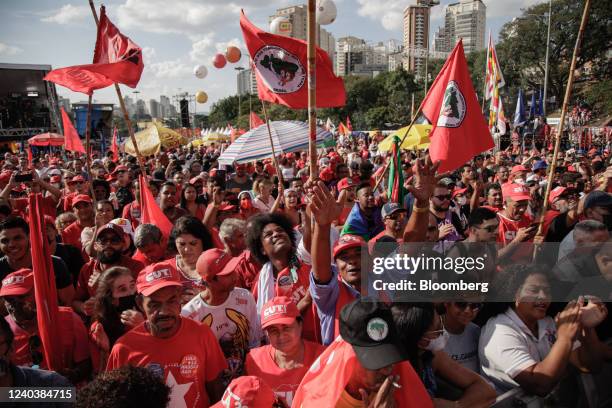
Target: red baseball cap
[
  {"x": 77, "y": 179},
  {"x": 155, "y": 277},
  {"x": 17, "y": 283},
  {"x": 111, "y": 226},
  {"x": 279, "y": 310},
  {"x": 247, "y": 391},
  {"x": 327, "y": 174},
  {"x": 81, "y": 198},
  {"x": 556, "y": 193},
  {"x": 457, "y": 191},
  {"x": 348, "y": 241},
  {"x": 516, "y": 192},
  {"x": 518, "y": 168},
  {"x": 216, "y": 262},
  {"x": 346, "y": 182}
]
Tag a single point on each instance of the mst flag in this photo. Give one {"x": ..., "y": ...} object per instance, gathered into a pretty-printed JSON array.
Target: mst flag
[
  {"x": 71, "y": 137},
  {"x": 280, "y": 66},
  {"x": 459, "y": 130},
  {"x": 116, "y": 59}
]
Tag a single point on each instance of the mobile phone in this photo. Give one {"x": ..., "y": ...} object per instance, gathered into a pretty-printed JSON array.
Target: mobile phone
[{"x": 22, "y": 178}]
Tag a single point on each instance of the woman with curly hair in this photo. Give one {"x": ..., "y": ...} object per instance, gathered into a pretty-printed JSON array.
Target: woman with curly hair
[
  {"x": 188, "y": 239},
  {"x": 521, "y": 346},
  {"x": 115, "y": 312},
  {"x": 271, "y": 239}
]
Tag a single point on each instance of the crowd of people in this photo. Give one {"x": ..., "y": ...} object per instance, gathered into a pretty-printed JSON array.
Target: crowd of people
[{"x": 256, "y": 297}]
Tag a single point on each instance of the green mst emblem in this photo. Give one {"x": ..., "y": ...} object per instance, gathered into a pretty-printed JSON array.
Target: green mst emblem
[
  {"x": 453, "y": 107},
  {"x": 377, "y": 329}
]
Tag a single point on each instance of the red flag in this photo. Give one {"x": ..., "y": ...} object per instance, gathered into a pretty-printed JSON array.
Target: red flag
[
  {"x": 45, "y": 292},
  {"x": 116, "y": 59},
  {"x": 114, "y": 147},
  {"x": 343, "y": 130},
  {"x": 30, "y": 158},
  {"x": 281, "y": 69},
  {"x": 233, "y": 133},
  {"x": 348, "y": 123},
  {"x": 459, "y": 129},
  {"x": 71, "y": 137},
  {"x": 255, "y": 121},
  {"x": 151, "y": 213}
]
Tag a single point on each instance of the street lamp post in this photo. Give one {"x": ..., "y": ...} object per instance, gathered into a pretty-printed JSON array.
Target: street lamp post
[
  {"x": 239, "y": 69},
  {"x": 546, "y": 65}
]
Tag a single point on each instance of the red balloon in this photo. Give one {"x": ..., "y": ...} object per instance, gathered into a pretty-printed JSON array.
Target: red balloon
[
  {"x": 233, "y": 54},
  {"x": 219, "y": 61}
]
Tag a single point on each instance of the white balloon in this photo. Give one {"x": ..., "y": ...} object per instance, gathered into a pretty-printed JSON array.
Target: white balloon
[
  {"x": 326, "y": 12},
  {"x": 200, "y": 71},
  {"x": 275, "y": 24}
]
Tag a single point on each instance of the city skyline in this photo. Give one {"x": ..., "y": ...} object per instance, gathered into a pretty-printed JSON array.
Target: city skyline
[{"x": 176, "y": 39}]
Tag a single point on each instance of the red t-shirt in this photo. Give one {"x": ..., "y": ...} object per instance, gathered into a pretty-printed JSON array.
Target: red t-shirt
[
  {"x": 84, "y": 291},
  {"x": 284, "y": 383},
  {"x": 71, "y": 235},
  {"x": 185, "y": 361},
  {"x": 247, "y": 270},
  {"x": 74, "y": 340},
  {"x": 507, "y": 232}
]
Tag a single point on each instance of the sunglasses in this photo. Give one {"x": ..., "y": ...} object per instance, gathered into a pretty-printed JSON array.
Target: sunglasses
[
  {"x": 105, "y": 241},
  {"x": 443, "y": 197},
  {"x": 34, "y": 344},
  {"x": 472, "y": 305}
]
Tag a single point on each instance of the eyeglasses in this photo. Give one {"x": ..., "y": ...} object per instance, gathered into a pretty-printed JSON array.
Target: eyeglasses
[
  {"x": 443, "y": 197},
  {"x": 34, "y": 344},
  {"x": 472, "y": 305},
  {"x": 108, "y": 240}
]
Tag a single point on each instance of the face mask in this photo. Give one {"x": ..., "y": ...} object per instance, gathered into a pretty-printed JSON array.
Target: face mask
[
  {"x": 246, "y": 204},
  {"x": 126, "y": 303},
  {"x": 438, "y": 343},
  {"x": 519, "y": 181}
]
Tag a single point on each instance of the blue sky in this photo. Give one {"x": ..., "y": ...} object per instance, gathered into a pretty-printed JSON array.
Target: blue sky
[{"x": 176, "y": 35}]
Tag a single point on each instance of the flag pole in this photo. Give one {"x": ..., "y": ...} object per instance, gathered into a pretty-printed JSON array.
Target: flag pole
[
  {"x": 126, "y": 116},
  {"x": 87, "y": 148},
  {"x": 312, "y": 87},
  {"x": 278, "y": 170},
  {"x": 568, "y": 93},
  {"x": 382, "y": 176}
]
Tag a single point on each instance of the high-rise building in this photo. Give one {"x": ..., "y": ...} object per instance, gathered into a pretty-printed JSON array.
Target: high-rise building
[
  {"x": 416, "y": 35},
  {"x": 155, "y": 109},
  {"x": 355, "y": 57},
  {"x": 141, "y": 109},
  {"x": 298, "y": 28},
  {"x": 467, "y": 20},
  {"x": 129, "y": 105},
  {"x": 165, "y": 106},
  {"x": 247, "y": 82}
]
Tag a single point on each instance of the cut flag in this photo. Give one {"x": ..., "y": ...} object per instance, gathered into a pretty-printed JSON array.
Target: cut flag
[
  {"x": 151, "y": 213},
  {"x": 45, "y": 292},
  {"x": 116, "y": 59},
  {"x": 71, "y": 137},
  {"x": 396, "y": 190},
  {"x": 115, "y": 146},
  {"x": 254, "y": 121},
  {"x": 459, "y": 130},
  {"x": 281, "y": 70}
]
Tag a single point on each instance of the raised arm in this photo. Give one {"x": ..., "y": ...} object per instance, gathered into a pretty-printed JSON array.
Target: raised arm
[
  {"x": 425, "y": 183},
  {"x": 324, "y": 210}
]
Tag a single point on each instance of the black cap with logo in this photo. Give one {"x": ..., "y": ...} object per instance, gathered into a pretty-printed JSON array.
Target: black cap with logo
[{"x": 367, "y": 325}]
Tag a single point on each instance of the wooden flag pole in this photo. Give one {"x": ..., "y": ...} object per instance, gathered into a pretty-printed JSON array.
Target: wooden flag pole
[
  {"x": 414, "y": 117},
  {"x": 126, "y": 116},
  {"x": 568, "y": 93},
  {"x": 312, "y": 88},
  {"x": 278, "y": 170}
]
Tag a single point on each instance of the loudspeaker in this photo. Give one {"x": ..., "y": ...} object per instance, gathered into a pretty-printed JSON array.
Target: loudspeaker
[{"x": 184, "y": 113}]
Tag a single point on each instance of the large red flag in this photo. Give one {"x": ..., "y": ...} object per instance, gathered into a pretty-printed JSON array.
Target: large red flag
[
  {"x": 116, "y": 59},
  {"x": 255, "y": 121},
  {"x": 151, "y": 213},
  {"x": 459, "y": 129},
  {"x": 71, "y": 137},
  {"x": 115, "y": 147},
  {"x": 45, "y": 292},
  {"x": 281, "y": 69}
]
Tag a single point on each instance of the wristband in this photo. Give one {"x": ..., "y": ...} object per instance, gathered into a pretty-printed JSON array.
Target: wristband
[{"x": 420, "y": 209}]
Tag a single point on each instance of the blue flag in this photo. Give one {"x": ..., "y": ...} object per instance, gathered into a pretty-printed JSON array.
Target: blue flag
[
  {"x": 519, "y": 113},
  {"x": 532, "y": 108},
  {"x": 540, "y": 109}
]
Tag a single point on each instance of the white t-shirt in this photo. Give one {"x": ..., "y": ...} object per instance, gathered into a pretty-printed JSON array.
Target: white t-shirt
[
  {"x": 463, "y": 348},
  {"x": 507, "y": 347},
  {"x": 263, "y": 206},
  {"x": 234, "y": 322}
]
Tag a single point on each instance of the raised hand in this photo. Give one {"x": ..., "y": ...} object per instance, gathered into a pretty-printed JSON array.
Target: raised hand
[{"x": 425, "y": 179}]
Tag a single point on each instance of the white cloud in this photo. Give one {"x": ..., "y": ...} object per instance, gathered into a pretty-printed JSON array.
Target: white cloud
[
  {"x": 169, "y": 69},
  {"x": 148, "y": 54},
  {"x": 496, "y": 8},
  {"x": 202, "y": 49},
  {"x": 67, "y": 14},
  {"x": 390, "y": 15},
  {"x": 7, "y": 50}
]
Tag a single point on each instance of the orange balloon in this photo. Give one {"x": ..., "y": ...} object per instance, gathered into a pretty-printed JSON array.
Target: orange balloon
[{"x": 233, "y": 54}]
